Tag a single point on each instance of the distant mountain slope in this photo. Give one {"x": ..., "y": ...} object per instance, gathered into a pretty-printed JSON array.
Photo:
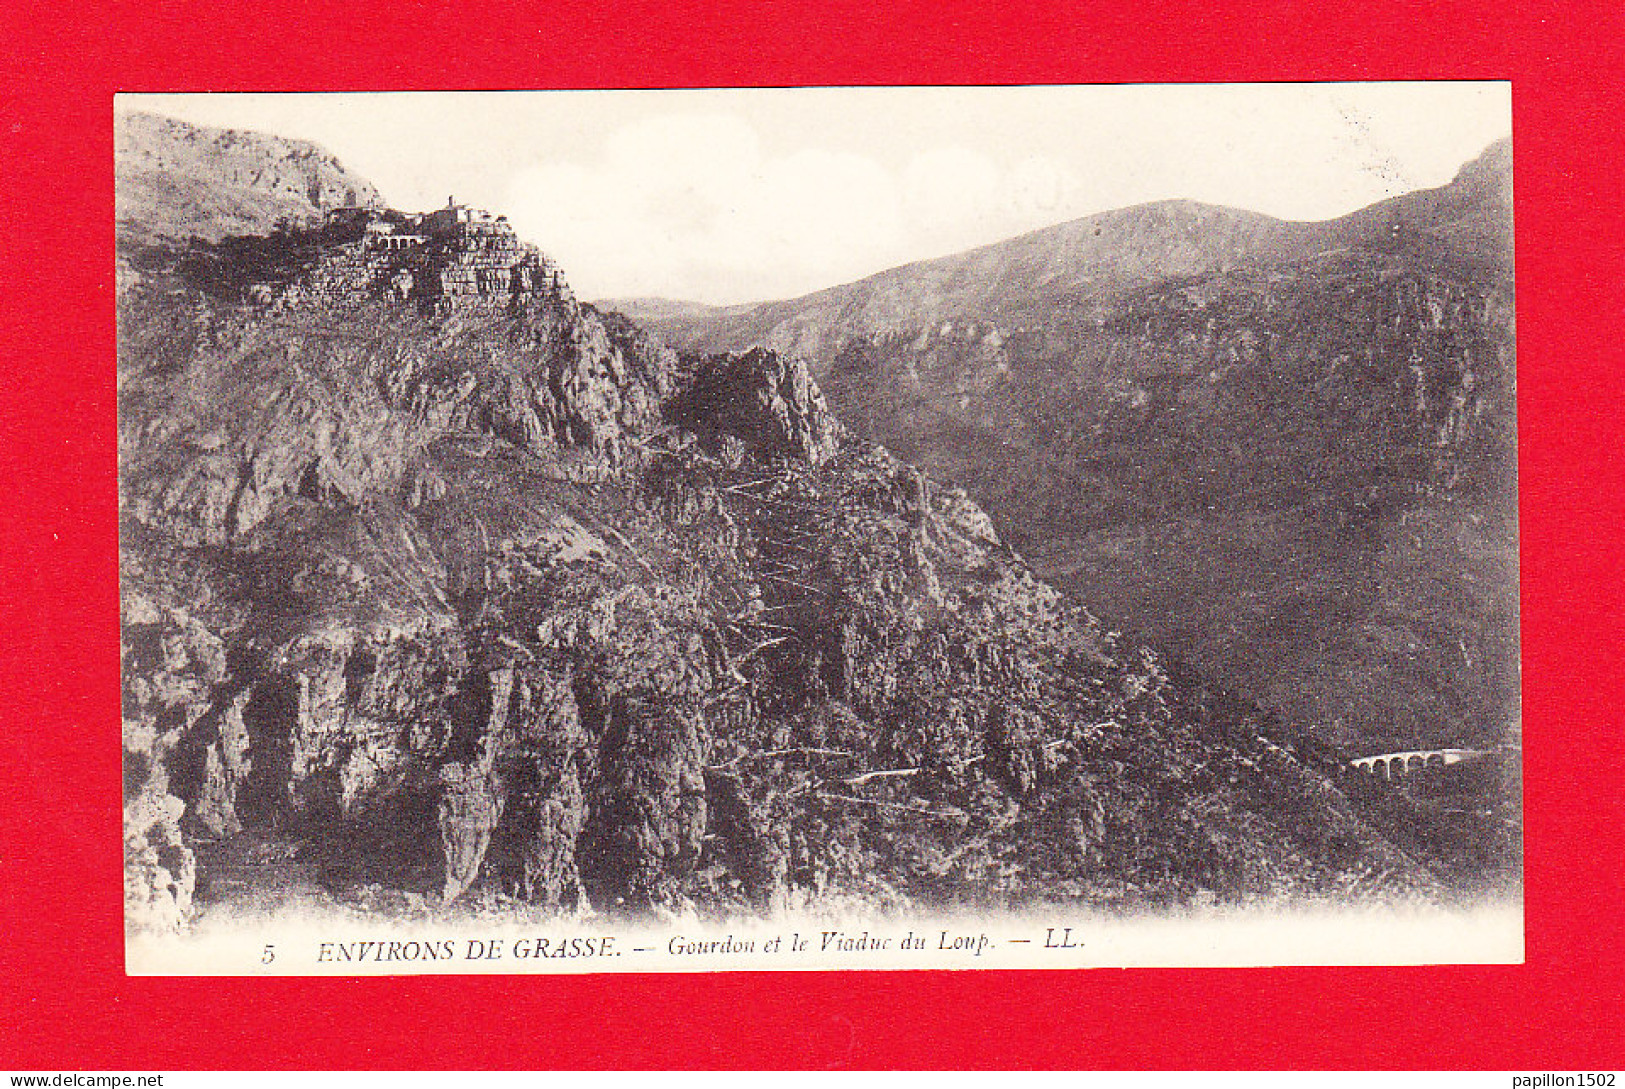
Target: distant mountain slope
[
  {"x": 1464, "y": 225},
  {"x": 1286, "y": 451},
  {"x": 648, "y": 309},
  {"x": 177, "y": 180},
  {"x": 1004, "y": 282}
]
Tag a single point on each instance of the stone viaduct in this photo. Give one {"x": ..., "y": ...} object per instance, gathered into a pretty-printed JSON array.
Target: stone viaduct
[{"x": 1394, "y": 765}]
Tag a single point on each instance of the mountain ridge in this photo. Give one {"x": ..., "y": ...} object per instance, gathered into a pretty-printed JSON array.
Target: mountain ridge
[{"x": 1245, "y": 237}]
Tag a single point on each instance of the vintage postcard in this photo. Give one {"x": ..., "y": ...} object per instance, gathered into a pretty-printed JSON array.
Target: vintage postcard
[{"x": 810, "y": 528}]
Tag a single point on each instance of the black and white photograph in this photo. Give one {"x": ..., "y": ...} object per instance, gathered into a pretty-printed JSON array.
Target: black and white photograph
[{"x": 818, "y": 527}]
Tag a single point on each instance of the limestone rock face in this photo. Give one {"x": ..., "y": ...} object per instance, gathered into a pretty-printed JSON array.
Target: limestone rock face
[
  {"x": 767, "y": 401},
  {"x": 176, "y": 666},
  {"x": 160, "y": 871},
  {"x": 648, "y": 818},
  {"x": 349, "y": 391},
  {"x": 470, "y": 807}
]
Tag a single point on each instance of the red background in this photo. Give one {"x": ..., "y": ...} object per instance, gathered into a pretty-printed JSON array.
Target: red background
[{"x": 66, "y": 1002}]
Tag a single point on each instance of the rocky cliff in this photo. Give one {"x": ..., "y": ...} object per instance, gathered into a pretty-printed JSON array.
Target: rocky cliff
[{"x": 435, "y": 598}]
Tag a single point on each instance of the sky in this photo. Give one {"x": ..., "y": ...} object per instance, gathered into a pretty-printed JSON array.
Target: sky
[{"x": 739, "y": 195}]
